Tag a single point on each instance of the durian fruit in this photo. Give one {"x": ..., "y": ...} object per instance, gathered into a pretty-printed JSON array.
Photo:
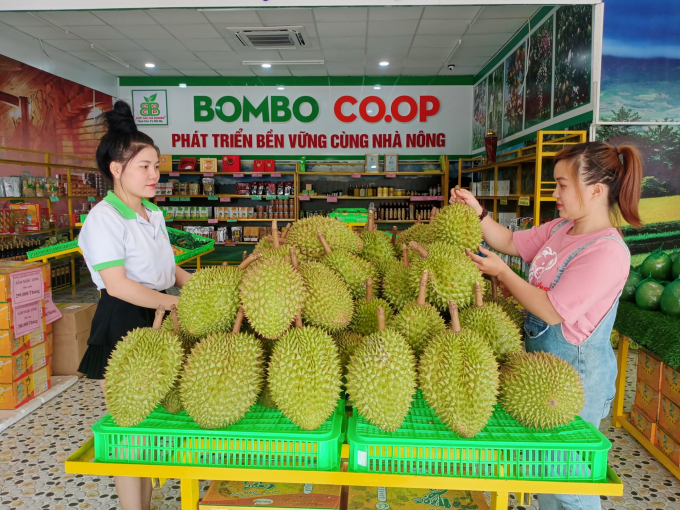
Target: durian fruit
[
  {"x": 347, "y": 342},
  {"x": 381, "y": 377},
  {"x": 458, "y": 375},
  {"x": 421, "y": 233},
  {"x": 304, "y": 376},
  {"x": 171, "y": 402},
  {"x": 272, "y": 293},
  {"x": 275, "y": 246},
  {"x": 493, "y": 324},
  {"x": 419, "y": 321},
  {"x": 540, "y": 390},
  {"x": 395, "y": 246},
  {"x": 516, "y": 316},
  {"x": 365, "y": 319},
  {"x": 222, "y": 377},
  {"x": 209, "y": 301},
  {"x": 329, "y": 303},
  {"x": 451, "y": 274},
  {"x": 377, "y": 245},
  {"x": 338, "y": 235},
  {"x": 141, "y": 371},
  {"x": 396, "y": 285},
  {"x": 265, "y": 399},
  {"x": 353, "y": 270},
  {"x": 458, "y": 225}
]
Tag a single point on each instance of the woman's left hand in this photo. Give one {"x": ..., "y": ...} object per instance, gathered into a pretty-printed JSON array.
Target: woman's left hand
[{"x": 492, "y": 264}]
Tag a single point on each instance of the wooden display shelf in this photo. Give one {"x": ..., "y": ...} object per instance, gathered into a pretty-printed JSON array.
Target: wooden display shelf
[
  {"x": 371, "y": 174},
  {"x": 263, "y": 197},
  {"x": 234, "y": 220},
  {"x": 18, "y": 199},
  {"x": 316, "y": 197},
  {"x": 398, "y": 221},
  {"x": 37, "y": 232},
  {"x": 224, "y": 174}
]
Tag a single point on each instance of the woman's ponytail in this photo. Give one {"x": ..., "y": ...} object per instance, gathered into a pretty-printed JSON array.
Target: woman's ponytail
[{"x": 631, "y": 185}]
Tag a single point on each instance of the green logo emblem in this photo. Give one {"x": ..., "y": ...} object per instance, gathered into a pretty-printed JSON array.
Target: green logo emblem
[{"x": 149, "y": 108}]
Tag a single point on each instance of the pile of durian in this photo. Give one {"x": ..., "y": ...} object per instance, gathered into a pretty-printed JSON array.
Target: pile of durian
[{"x": 320, "y": 308}]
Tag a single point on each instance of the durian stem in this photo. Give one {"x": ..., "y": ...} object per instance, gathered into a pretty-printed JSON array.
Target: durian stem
[
  {"x": 455, "y": 320},
  {"x": 324, "y": 243},
  {"x": 275, "y": 234},
  {"x": 298, "y": 321},
  {"x": 369, "y": 289},
  {"x": 293, "y": 257},
  {"x": 244, "y": 257},
  {"x": 158, "y": 319},
  {"x": 285, "y": 231},
  {"x": 422, "y": 289},
  {"x": 418, "y": 249},
  {"x": 381, "y": 318},
  {"x": 479, "y": 300},
  {"x": 394, "y": 235},
  {"x": 175, "y": 319},
  {"x": 404, "y": 254},
  {"x": 252, "y": 258},
  {"x": 494, "y": 287},
  {"x": 371, "y": 221},
  {"x": 433, "y": 213},
  {"x": 239, "y": 321}
]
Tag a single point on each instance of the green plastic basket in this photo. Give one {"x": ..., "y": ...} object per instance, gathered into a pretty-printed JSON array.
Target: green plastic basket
[
  {"x": 208, "y": 244},
  {"x": 503, "y": 450},
  {"x": 50, "y": 250},
  {"x": 263, "y": 439},
  {"x": 350, "y": 215}
]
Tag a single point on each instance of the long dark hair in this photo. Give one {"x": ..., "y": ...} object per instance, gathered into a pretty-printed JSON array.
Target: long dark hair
[
  {"x": 122, "y": 141},
  {"x": 620, "y": 168}
]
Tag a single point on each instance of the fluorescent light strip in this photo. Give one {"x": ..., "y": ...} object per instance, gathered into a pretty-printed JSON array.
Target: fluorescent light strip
[
  {"x": 53, "y": 25},
  {"x": 106, "y": 54},
  {"x": 282, "y": 62}
]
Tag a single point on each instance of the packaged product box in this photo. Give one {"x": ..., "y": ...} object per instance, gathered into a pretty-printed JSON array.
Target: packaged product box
[
  {"x": 71, "y": 333},
  {"x": 503, "y": 188},
  {"x": 669, "y": 417},
  {"x": 643, "y": 423},
  {"x": 32, "y": 215},
  {"x": 647, "y": 400},
  {"x": 16, "y": 394},
  {"x": 165, "y": 163},
  {"x": 18, "y": 366},
  {"x": 670, "y": 383},
  {"x": 208, "y": 164},
  {"x": 224, "y": 495},
  {"x": 383, "y": 498},
  {"x": 669, "y": 446},
  {"x": 10, "y": 344},
  {"x": 649, "y": 368},
  {"x": 9, "y": 267},
  {"x": 242, "y": 212}
]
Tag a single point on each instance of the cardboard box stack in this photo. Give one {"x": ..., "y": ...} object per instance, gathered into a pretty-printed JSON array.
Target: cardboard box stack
[
  {"x": 70, "y": 336},
  {"x": 25, "y": 332},
  {"x": 243, "y": 495},
  {"x": 384, "y": 498}
]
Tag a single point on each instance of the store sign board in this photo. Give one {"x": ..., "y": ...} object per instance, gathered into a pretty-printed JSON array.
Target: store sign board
[
  {"x": 416, "y": 120},
  {"x": 150, "y": 107}
]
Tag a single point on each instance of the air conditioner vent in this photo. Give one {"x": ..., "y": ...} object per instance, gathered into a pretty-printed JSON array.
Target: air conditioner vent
[{"x": 271, "y": 38}]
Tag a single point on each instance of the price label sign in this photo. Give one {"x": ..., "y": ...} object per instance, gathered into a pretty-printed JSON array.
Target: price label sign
[
  {"x": 54, "y": 199},
  {"x": 184, "y": 199},
  {"x": 174, "y": 199},
  {"x": 390, "y": 175},
  {"x": 231, "y": 221},
  {"x": 504, "y": 201},
  {"x": 212, "y": 220},
  {"x": 356, "y": 176},
  {"x": 212, "y": 197},
  {"x": 90, "y": 199},
  {"x": 276, "y": 174},
  {"x": 256, "y": 197},
  {"x": 304, "y": 198},
  {"x": 332, "y": 200},
  {"x": 160, "y": 199},
  {"x": 225, "y": 199},
  {"x": 208, "y": 174},
  {"x": 52, "y": 313},
  {"x": 524, "y": 201},
  {"x": 174, "y": 174},
  {"x": 27, "y": 286},
  {"x": 283, "y": 197},
  {"x": 238, "y": 174},
  {"x": 271, "y": 197},
  {"x": 257, "y": 174}
]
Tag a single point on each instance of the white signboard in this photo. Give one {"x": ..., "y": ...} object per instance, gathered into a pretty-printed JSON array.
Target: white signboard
[{"x": 409, "y": 120}]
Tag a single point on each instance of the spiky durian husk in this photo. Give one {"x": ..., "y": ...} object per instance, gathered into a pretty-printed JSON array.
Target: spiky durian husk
[
  {"x": 540, "y": 390},
  {"x": 377, "y": 247},
  {"x": 459, "y": 226},
  {"x": 451, "y": 276},
  {"x": 222, "y": 378},
  {"x": 209, "y": 301},
  {"x": 172, "y": 402},
  {"x": 347, "y": 342},
  {"x": 304, "y": 376},
  {"x": 494, "y": 326},
  {"x": 418, "y": 323},
  {"x": 422, "y": 233},
  {"x": 272, "y": 293},
  {"x": 267, "y": 250},
  {"x": 141, "y": 371},
  {"x": 458, "y": 374},
  {"x": 339, "y": 236},
  {"x": 353, "y": 270},
  {"x": 329, "y": 303},
  {"x": 516, "y": 315},
  {"x": 365, "y": 320},
  {"x": 186, "y": 340},
  {"x": 265, "y": 399},
  {"x": 396, "y": 286},
  {"x": 381, "y": 379}
]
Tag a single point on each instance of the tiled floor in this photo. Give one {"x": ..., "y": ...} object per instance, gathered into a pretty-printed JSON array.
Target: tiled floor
[{"x": 32, "y": 453}]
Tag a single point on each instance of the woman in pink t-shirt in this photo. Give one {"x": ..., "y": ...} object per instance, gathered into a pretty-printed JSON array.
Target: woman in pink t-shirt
[{"x": 579, "y": 265}]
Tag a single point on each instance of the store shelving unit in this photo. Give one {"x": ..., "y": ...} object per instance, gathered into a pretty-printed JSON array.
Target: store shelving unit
[{"x": 531, "y": 161}]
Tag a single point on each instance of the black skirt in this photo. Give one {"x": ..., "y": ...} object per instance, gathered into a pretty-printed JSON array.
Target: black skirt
[{"x": 113, "y": 320}]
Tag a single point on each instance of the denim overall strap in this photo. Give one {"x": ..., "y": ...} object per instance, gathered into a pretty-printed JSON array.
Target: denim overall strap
[{"x": 558, "y": 226}]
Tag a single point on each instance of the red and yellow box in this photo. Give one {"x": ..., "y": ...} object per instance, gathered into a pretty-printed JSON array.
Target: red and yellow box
[
  {"x": 647, "y": 400},
  {"x": 234, "y": 495},
  {"x": 643, "y": 423},
  {"x": 649, "y": 369},
  {"x": 670, "y": 383},
  {"x": 16, "y": 394},
  {"x": 13, "y": 368},
  {"x": 32, "y": 215},
  {"x": 7, "y": 314},
  {"x": 10, "y": 344},
  {"x": 9, "y": 267},
  {"x": 668, "y": 445},
  {"x": 669, "y": 417},
  {"x": 397, "y": 498}
]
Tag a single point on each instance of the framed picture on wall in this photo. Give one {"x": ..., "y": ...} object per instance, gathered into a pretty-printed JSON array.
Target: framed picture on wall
[
  {"x": 391, "y": 163},
  {"x": 372, "y": 163}
]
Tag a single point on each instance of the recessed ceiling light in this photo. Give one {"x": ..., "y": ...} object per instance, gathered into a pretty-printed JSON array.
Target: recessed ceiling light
[
  {"x": 384, "y": 63},
  {"x": 266, "y": 66},
  {"x": 377, "y": 87},
  {"x": 280, "y": 87},
  {"x": 149, "y": 64},
  {"x": 182, "y": 85}
]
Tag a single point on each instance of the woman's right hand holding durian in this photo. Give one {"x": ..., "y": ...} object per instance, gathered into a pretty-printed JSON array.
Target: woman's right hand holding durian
[{"x": 464, "y": 196}]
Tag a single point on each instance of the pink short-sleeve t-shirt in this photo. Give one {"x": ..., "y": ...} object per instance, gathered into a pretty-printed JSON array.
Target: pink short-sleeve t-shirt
[{"x": 591, "y": 282}]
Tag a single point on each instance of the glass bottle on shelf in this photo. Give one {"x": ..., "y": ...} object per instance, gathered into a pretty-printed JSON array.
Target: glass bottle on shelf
[{"x": 362, "y": 193}]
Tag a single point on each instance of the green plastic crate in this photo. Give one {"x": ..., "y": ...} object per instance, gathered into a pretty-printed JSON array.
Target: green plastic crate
[
  {"x": 264, "y": 438},
  {"x": 350, "y": 215},
  {"x": 49, "y": 250},
  {"x": 208, "y": 244},
  {"x": 503, "y": 450}
]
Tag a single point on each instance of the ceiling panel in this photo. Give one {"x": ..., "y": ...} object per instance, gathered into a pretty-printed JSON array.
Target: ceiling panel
[
  {"x": 96, "y": 32},
  {"x": 429, "y": 52},
  {"x": 142, "y": 56},
  {"x": 459, "y": 71},
  {"x": 163, "y": 44},
  {"x": 86, "y": 55},
  {"x": 313, "y": 71},
  {"x": 450, "y": 12},
  {"x": 206, "y": 31},
  {"x": 466, "y": 50},
  {"x": 184, "y": 64},
  {"x": 425, "y": 62},
  {"x": 342, "y": 43},
  {"x": 116, "y": 18},
  {"x": 394, "y": 13},
  {"x": 234, "y": 72},
  {"x": 301, "y": 54},
  {"x": 47, "y": 32},
  {"x": 278, "y": 71},
  {"x": 468, "y": 61},
  {"x": 171, "y": 72},
  {"x": 119, "y": 45},
  {"x": 107, "y": 64},
  {"x": 137, "y": 33},
  {"x": 494, "y": 26},
  {"x": 285, "y": 16},
  {"x": 438, "y": 27},
  {"x": 218, "y": 56},
  {"x": 21, "y": 19},
  {"x": 381, "y": 71},
  {"x": 207, "y": 45},
  {"x": 177, "y": 16},
  {"x": 343, "y": 29},
  {"x": 69, "y": 44},
  {"x": 495, "y": 40},
  {"x": 232, "y": 18},
  {"x": 177, "y": 56},
  {"x": 335, "y": 14},
  {"x": 435, "y": 41},
  {"x": 387, "y": 53},
  {"x": 128, "y": 72},
  {"x": 394, "y": 28},
  {"x": 388, "y": 41},
  {"x": 508, "y": 11},
  {"x": 420, "y": 71},
  {"x": 335, "y": 56},
  {"x": 345, "y": 70},
  {"x": 70, "y": 18}
]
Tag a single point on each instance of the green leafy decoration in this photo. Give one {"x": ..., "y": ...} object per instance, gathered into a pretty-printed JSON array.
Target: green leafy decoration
[{"x": 153, "y": 98}]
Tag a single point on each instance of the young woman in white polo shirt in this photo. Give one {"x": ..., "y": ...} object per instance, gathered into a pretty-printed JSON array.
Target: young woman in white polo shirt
[{"x": 127, "y": 250}]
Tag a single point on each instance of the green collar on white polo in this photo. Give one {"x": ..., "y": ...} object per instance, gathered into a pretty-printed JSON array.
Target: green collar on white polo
[{"x": 124, "y": 209}]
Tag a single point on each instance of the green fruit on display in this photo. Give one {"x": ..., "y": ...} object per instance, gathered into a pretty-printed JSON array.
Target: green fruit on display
[
  {"x": 458, "y": 374},
  {"x": 674, "y": 255},
  {"x": 670, "y": 299},
  {"x": 675, "y": 269},
  {"x": 629, "y": 289},
  {"x": 272, "y": 293},
  {"x": 209, "y": 301},
  {"x": 459, "y": 226},
  {"x": 421, "y": 233},
  {"x": 452, "y": 275},
  {"x": 381, "y": 377},
  {"x": 517, "y": 316},
  {"x": 540, "y": 390},
  {"x": 338, "y": 235},
  {"x": 304, "y": 376},
  {"x": 377, "y": 244},
  {"x": 222, "y": 377},
  {"x": 365, "y": 320},
  {"x": 141, "y": 371},
  {"x": 648, "y": 294},
  {"x": 418, "y": 322},
  {"x": 172, "y": 402},
  {"x": 396, "y": 286},
  {"x": 275, "y": 246},
  {"x": 171, "y": 323},
  {"x": 494, "y": 325},
  {"x": 347, "y": 342},
  {"x": 329, "y": 303},
  {"x": 657, "y": 265},
  {"x": 265, "y": 399}
]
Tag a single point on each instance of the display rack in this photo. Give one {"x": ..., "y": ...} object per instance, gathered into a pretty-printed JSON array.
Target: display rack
[{"x": 533, "y": 161}]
